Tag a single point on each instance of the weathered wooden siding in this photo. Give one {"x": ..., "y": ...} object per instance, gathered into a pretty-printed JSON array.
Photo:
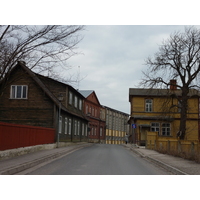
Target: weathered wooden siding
[{"x": 36, "y": 110}]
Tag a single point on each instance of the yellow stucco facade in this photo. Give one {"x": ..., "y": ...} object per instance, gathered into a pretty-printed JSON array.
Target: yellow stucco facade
[
  {"x": 115, "y": 137},
  {"x": 116, "y": 126},
  {"x": 152, "y": 111}
]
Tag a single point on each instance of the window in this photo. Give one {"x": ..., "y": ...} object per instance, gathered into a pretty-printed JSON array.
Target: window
[
  {"x": 155, "y": 127},
  {"x": 83, "y": 129},
  {"x": 107, "y": 118},
  {"x": 60, "y": 125},
  {"x": 86, "y": 109},
  {"x": 148, "y": 105},
  {"x": 92, "y": 130},
  {"x": 116, "y": 125},
  {"x": 65, "y": 125},
  {"x": 86, "y": 129},
  {"x": 75, "y": 127},
  {"x": 78, "y": 128},
  {"x": 80, "y": 104},
  {"x": 165, "y": 129},
  {"x": 19, "y": 92},
  {"x": 76, "y": 102},
  {"x": 70, "y": 126},
  {"x": 70, "y": 98},
  {"x": 101, "y": 131}
]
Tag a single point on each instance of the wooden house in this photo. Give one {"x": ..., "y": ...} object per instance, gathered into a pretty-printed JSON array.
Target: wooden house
[
  {"x": 28, "y": 98},
  {"x": 158, "y": 111}
]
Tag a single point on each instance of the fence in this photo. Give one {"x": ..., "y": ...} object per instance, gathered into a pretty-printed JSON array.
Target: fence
[
  {"x": 16, "y": 136},
  {"x": 172, "y": 146}
]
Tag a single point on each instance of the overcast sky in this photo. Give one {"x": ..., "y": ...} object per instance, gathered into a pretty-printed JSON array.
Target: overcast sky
[{"x": 113, "y": 59}]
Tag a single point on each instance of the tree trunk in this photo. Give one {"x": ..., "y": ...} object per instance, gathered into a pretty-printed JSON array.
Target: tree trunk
[{"x": 183, "y": 117}]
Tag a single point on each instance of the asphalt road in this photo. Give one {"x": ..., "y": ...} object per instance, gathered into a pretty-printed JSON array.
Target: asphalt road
[{"x": 99, "y": 159}]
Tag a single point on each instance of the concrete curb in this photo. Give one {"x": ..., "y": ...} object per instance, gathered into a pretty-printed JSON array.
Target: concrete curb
[
  {"x": 166, "y": 166},
  {"x": 160, "y": 163},
  {"x": 10, "y": 153},
  {"x": 27, "y": 165}
]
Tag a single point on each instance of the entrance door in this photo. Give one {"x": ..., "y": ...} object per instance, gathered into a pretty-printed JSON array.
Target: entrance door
[{"x": 143, "y": 134}]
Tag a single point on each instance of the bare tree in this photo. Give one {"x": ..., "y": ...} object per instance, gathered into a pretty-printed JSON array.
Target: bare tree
[
  {"x": 178, "y": 59},
  {"x": 42, "y": 47}
]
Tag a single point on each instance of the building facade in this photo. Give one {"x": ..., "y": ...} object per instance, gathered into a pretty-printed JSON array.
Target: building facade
[
  {"x": 96, "y": 116},
  {"x": 116, "y": 126},
  {"x": 158, "y": 110},
  {"x": 28, "y": 98}
]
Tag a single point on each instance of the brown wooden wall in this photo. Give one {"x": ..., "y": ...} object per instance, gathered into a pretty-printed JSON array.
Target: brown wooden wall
[{"x": 36, "y": 110}]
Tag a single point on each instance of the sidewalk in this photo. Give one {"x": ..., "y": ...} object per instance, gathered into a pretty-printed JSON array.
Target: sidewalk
[
  {"x": 23, "y": 162},
  {"x": 176, "y": 165}
]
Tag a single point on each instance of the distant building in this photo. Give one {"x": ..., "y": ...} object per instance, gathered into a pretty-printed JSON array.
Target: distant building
[
  {"x": 116, "y": 126},
  {"x": 96, "y": 115}
]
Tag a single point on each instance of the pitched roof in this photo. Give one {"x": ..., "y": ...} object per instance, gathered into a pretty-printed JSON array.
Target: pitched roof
[
  {"x": 159, "y": 92},
  {"x": 86, "y": 93},
  {"x": 46, "y": 89}
]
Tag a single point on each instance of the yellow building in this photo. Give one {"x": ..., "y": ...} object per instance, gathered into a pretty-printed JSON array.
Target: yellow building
[
  {"x": 116, "y": 126},
  {"x": 157, "y": 110}
]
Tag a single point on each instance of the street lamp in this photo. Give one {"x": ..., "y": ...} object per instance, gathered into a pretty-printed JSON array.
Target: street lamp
[{"x": 60, "y": 98}]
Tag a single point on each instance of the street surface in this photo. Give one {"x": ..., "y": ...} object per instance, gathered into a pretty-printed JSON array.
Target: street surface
[{"x": 99, "y": 159}]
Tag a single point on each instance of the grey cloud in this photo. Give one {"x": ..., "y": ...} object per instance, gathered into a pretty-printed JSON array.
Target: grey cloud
[{"x": 113, "y": 59}]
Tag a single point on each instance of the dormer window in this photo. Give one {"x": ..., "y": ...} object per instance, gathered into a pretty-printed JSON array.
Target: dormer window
[{"x": 19, "y": 92}]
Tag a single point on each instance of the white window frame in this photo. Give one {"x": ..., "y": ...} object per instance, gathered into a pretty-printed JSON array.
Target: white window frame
[
  {"x": 70, "y": 98},
  {"x": 66, "y": 125},
  {"x": 78, "y": 128},
  {"x": 155, "y": 127},
  {"x": 101, "y": 131},
  {"x": 70, "y": 126},
  {"x": 80, "y": 104},
  {"x": 75, "y": 127},
  {"x": 148, "y": 105},
  {"x": 76, "y": 102},
  {"x": 166, "y": 129},
  {"x": 86, "y": 109},
  {"x": 92, "y": 131},
  {"x": 83, "y": 129},
  {"x": 14, "y": 93}
]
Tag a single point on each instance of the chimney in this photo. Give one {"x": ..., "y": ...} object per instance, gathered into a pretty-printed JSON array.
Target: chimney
[{"x": 173, "y": 85}]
